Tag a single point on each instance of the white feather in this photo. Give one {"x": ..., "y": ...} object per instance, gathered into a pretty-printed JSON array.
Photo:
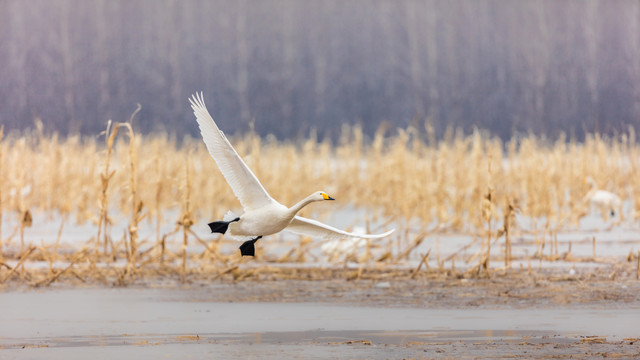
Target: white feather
[
  {"x": 262, "y": 214},
  {"x": 240, "y": 178},
  {"x": 605, "y": 201},
  {"x": 314, "y": 228},
  {"x": 230, "y": 215}
]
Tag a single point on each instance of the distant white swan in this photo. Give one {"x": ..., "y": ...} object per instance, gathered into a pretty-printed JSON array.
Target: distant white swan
[
  {"x": 262, "y": 214},
  {"x": 605, "y": 201}
]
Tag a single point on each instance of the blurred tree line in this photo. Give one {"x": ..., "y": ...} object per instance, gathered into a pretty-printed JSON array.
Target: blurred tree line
[{"x": 291, "y": 66}]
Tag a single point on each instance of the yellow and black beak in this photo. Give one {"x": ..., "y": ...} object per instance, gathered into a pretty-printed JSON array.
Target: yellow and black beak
[{"x": 327, "y": 197}]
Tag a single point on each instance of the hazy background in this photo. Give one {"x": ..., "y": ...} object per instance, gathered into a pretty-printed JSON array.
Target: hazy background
[{"x": 506, "y": 66}]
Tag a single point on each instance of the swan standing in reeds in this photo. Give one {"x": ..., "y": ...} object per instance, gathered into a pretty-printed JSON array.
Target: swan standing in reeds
[
  {"x": 605, "y": 201},
  {"x": 262, "y": 214}
]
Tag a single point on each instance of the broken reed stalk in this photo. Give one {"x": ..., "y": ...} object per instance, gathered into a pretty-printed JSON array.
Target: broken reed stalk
[
  {"x": 136, "y": 204},
  {"x": 594, "y": 247},
  {"x": 20, "y": 264},
  {"x": 416, "y": 242},
  {"x": 507, "y": 245},
  {"x": 52, "y": 256},
  {"x": 186, "y": 220},
  {"x": 55, "y": 276},
  {"x": 25, "y": 222},
  {"x": 159, "y": 240},
  {"x": 487, "y": 213},
  {"x": 540, "y": 253},
  {"x": 438, "y": 261},
  {"x": 55, "y": 249},
  {"x": 508, "y": 216},
  {"x": 105, "y": 178},
  {"x": 422, "y": 261}
]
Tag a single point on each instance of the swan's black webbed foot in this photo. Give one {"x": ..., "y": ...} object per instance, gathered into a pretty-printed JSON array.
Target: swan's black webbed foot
[
  {"x": 221, "y": 226},
  {"x": 247, "y": 248}
]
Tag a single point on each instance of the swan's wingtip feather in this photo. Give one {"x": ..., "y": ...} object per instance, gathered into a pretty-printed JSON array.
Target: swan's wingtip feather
[
  {"x": 197, "y": 100},
  {"x": 378, "y": 236},
  {"x": 386, "y": 233}
]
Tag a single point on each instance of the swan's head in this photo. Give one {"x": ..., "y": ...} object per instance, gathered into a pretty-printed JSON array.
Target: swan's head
[
  {"x": 589, "y": 180},
  {"x": 321, "y": 195}
]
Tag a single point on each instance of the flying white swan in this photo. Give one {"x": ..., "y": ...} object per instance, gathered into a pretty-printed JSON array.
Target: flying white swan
[
  {"x": 262, "y": 214},
  {"x": 605, "y": 201}
]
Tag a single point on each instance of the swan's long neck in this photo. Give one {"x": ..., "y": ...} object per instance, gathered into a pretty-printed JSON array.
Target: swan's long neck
[{"x": 304, "y": 202}]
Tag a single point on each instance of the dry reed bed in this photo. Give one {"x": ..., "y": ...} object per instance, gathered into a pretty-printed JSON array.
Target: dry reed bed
[{"x": 474, "y": 185}]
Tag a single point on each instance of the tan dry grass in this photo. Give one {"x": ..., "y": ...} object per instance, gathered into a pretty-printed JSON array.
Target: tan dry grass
[{"x": 469, "y": 184}]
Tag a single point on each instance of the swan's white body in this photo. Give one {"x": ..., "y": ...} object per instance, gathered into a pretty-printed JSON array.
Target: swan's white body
[
  {"x": 262, "y": 214},
  {"x": 605, "y": 201}
]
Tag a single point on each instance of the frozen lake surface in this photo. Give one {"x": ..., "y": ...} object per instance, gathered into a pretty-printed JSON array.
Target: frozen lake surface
[{"x": 162, "y": 323}]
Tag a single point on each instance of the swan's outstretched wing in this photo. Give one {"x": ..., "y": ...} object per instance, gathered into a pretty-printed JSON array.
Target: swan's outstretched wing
[
  {"x": 309, "y": 227},
  {"x": 243, "y": 182}
]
